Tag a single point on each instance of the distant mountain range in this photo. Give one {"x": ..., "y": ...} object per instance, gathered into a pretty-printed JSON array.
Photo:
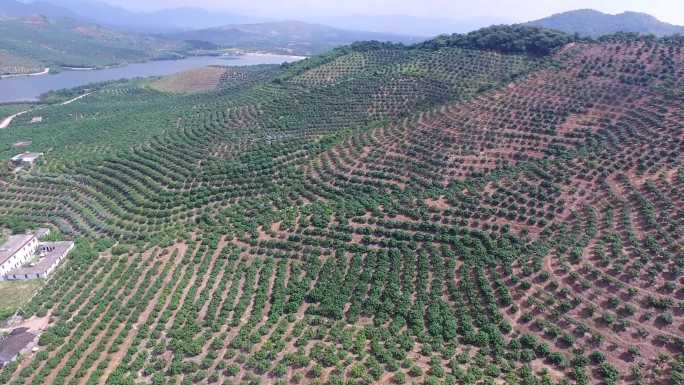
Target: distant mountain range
[
  {"x": 291, "y": 37},
  {"x": 93, "y": 33},
  {"x": 409, "y": 25},
  {"x": 191, "y": 18},
  {"x": 588, "y": 22},
  {"x": 163, "y": 21},
  {"x": 61, "y": 37},
  {"x": 16, "y": 9}
]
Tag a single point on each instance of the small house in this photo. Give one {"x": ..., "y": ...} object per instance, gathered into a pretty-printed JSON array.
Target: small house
[
  {"x": 17, "y": 251},
  {"x": 26, "y": 257},
  {"x": 50, "y": 254},
  {"x": 27, "y": 159}
]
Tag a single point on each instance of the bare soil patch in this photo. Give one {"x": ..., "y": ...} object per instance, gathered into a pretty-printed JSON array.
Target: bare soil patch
[{"x": 196, "y": 80}]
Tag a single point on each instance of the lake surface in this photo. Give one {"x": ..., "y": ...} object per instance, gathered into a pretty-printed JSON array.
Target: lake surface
[{"x": 29, "y": 88}]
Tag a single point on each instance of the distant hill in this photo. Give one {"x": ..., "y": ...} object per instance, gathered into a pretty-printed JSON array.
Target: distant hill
[
  {"x": 73, "y": 43},
  {"x": 58, "y": 37},
  {"x": 162, "y": 21},
  {"x": 588, "y": 22},
  {"x": 10, "y": 9},
  {"x": 409, "y": 25},
  {"x": 292, "y": 37}
]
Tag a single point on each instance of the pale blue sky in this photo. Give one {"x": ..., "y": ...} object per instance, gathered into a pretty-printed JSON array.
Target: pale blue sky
[{"x": 671, "y": 11}]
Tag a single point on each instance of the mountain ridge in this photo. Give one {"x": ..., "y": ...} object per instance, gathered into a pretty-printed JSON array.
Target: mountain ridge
[
  {"x": 288, "y": 36},
  {"x": 16, "y": 9},
  {"x": 112, "y": 16},
  {"x": 592, "y": 23}
]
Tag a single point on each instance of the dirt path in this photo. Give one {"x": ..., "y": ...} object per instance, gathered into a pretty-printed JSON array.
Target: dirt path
[
  {"x": 35, "y": 324},
  {"x": 6, "y": 122},
  {"x": 76, "y": 98}
]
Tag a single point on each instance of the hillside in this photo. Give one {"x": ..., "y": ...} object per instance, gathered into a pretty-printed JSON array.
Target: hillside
[
  {"x": 499, "y": 207},
  {"x": 72, "y": 43},
  {"x": 289, "y": 37},
  {"x": 11, "y": 9},
  {"x": 60, "y": 37},
  {"x": 162, "y": 21},
  {"x": 587, "y": 22}
]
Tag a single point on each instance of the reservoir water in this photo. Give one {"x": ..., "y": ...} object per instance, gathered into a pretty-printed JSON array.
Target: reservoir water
[{"x": 29, "y": 88}]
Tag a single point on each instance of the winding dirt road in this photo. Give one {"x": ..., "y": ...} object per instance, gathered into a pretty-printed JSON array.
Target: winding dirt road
[{"x": 8, "y": 120}]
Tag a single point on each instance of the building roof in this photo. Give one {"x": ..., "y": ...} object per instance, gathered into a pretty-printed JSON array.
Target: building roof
[
  {"x": 42, "y": 232},
  {"x": 47, "y": 260},
  {"x": 13, "y": 244},
  {"x": 14, "y": 343},
  {"x": 29, "y": 157}
]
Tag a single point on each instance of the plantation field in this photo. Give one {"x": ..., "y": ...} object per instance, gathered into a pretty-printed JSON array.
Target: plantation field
[
  {"x": 499, "y": 207},
  {"x": 198, "y": 80}
]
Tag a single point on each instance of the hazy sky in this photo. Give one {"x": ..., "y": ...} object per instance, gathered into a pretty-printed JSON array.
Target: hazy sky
[{"x": 671, "y": 11}]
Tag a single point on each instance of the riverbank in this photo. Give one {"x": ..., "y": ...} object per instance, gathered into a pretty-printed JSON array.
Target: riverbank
[
  {"x": 29, "y": 89},
  {"x": 44, "y": 72},
  {"x": 79, "y": 68},
  {"x": 295, "y": 57}
]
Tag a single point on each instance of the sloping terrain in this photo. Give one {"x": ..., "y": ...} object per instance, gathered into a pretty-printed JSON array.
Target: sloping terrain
[
  {"x": 440, "y": 213},
  {"x": 12, "y": 9},
  {"x": 36, "y": 41},
  {"x": 288, "y": 37},
  {"x": 588, "y": 22},
  {"x": 29, "y": 44}
]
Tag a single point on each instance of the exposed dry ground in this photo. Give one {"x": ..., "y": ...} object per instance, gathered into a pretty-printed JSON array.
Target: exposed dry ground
[{"x": 197, "y": 80}]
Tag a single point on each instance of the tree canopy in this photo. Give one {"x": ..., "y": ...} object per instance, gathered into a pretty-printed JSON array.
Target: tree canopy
[{"x": 505, "y": 38}]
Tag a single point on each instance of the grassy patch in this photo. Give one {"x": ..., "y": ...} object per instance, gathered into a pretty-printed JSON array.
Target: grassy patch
[
  {"x": 196, "y": 80},
  {"x": 13, "y": 294}
]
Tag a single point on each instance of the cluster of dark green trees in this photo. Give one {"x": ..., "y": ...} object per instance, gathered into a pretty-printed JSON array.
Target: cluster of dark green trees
[{"x": 505, "y": 38}]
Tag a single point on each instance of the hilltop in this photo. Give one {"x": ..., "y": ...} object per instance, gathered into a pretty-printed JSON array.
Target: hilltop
[{"x": 588, "y": 22}]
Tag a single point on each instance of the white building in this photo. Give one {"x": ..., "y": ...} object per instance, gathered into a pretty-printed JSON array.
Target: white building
[
  {"x": 16, "y": 252},
  {"x": 50, "y": 254},
  {"x": 25, "y": 257},
  {"x": 26, "y": 159}
]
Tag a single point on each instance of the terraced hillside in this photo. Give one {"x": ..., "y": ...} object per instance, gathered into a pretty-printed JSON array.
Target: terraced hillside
[{"x": 442, "y": 213}]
